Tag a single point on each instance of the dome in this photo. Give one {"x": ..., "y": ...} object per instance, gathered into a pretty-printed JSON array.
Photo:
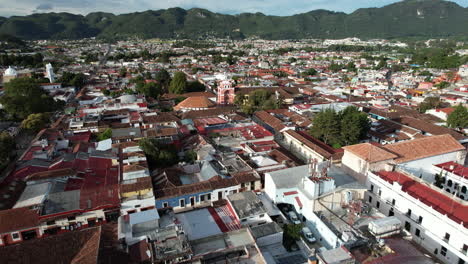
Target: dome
[
  {"x": 10, "y": 72},
  {"x": 127, "y": 99}
]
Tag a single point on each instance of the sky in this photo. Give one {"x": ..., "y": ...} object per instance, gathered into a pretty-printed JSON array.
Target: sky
[{"x": 269, "y": 7}]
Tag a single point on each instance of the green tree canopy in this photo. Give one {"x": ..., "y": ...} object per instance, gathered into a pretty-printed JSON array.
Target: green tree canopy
[
  {"x": 458, "y": 118},
  {"x": 344, "y": 128},
  {"x": 354, "y": 126},
  {"x": 72, "y": 79},
  {"x": 178, "y": 83},
  {"x": 24, "y": 96},
  {"x": 106, "y": 134},
  {"x": 35, "y": 122},
  {"x": 309, "y": 72},
  {"x": 164, "y": 79},
  {"x": 326, "y": 126},
  {"x": 7, "y": 146},
  {"x": 431, "y": 103},
  {"x": 158, "y": 155},
  {"x": 257, "y": 100},
  {"x": 195, "y": 86},
  {"x": 150, "y": 89}
]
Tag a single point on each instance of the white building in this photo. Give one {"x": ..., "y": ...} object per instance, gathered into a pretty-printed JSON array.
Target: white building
[
  {"x": 437, "y": 222},
  {"x": 248, "y": 209},
  {"x": 50, "y": 73},
  {"x": 300, "y": 187},
  {"x": 454, "y": 178},
  {"x": 415, "y": 156}
]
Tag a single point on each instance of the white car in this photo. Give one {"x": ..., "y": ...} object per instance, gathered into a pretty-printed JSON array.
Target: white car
[
  {"x": 293, "y": 217},
  {"x": 308, "y": 235}
]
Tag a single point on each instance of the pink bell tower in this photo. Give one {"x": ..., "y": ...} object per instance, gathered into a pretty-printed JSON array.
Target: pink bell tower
[{"x": 225, "y": 93}]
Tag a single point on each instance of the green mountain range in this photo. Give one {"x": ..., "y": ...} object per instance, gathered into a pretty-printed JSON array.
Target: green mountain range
[{"x": 408, "y": 18}]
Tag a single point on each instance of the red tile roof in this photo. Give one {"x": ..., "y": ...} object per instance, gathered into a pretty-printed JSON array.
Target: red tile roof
[
  {"x": 454, "y": 168},
  {"x": 431, "y": 197},
  {"x": 370, "y": 153},
  {"x": 17, "y": 219},
  {"x": 424, "y": 147},
  {"x": 72, "y": 247}
]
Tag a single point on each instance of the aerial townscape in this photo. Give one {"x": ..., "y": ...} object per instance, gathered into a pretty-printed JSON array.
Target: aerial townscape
[{"x": 190, "y": 136}]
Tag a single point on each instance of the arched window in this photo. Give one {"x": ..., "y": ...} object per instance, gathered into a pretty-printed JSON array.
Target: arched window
[
  {"x": 449, "y": 183},
  {"x": 463, "y": 189}
]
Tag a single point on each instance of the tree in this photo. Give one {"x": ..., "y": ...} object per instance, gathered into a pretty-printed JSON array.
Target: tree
[
  {"x": 354, "y": 126},
  {"x": 458, "y": 118},
  {"x": 72, "y": 79},
  {"x": 106, "y": 134},
  {"x": 35, "y": 122},
  {"x": 309, "y": 72},
  {"x": 165, "y": 57},
  {"x": 195, "y": 86},
  {"x": 258, "y": 100},
  {"x": 326, "y": 126},
  {"x": 159, "y": 155},
  {"x": 24, "y": 96},
  {"x": 178, "y": 83},
  {"x": 164, "y": 79},
  {"x": 123, "y": 72},
  {"x": 335, "y": 67},
  {"x": 430, "y": 103},
  {"x": 382, "y": 64},
  {"x": 190, "y": 156},
  {"x": 291, "y": 233},
  {"x": 442, "y": 85},
  {"x": 150, "y": 147},
  {"x": 7, "y": 146},
  {"x": 351, "y": 67},
  {"x": 150, "y": 89},
  {"x": 344, "y": 128}
]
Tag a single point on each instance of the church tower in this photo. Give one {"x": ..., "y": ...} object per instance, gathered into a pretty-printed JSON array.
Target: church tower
[{"x": 225, "y": 92}]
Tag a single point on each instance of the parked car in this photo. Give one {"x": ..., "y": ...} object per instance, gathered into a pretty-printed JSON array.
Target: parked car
[
  {"x": 308, "y": 235},
  {"x": 293, "y": 217}
]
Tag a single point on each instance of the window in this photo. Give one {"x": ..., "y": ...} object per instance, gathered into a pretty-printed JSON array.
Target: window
[
  {"x": 461, "y": 261},
  {"x": 202, "y": 198},
  {"x": 393, "y": 201},
  {"x": 370, "y": 199},
  {"x": 165, "y": 204},
  {"x": 391, "y": 213},
  {"x": 372, "y": 188},
  {"x": 465, "y": 248},
  {"x": 182, "y": 202},
  {"x": 443, "y": 251},
  {"x": 408, "y": 213},
  {"x": 137, "y": 206},
  {"x": 51, "y": 222},
  {"x": 15, "y": 236},
  {"x": 447, "y": 237},
  {"x": 71, "y": 218},
  {"x": 262, "y": 215},
  {"x": 420, "y": 219},
  {"x": 208, "y": 197},
  {"x": 377, "y": 205},
  {"x": 380, "y": 193},
  {"x": 407, "y": 226},
  {"x": 417, "y": 232}
]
